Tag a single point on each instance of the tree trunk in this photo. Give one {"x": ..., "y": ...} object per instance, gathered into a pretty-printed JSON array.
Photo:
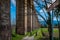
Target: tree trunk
[{"x": 49, "y": 26}]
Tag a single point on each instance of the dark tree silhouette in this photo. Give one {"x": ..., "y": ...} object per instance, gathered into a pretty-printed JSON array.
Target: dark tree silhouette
[
  {"x": 57, "y": 14},
  {"x": 52, "y": 6}
]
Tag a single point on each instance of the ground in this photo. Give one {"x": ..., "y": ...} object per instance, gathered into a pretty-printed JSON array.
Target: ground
[{"x": 37, "y": 34}]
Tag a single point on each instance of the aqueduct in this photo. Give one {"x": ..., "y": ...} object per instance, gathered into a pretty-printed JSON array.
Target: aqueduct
[{"x": 26, "y": 18}]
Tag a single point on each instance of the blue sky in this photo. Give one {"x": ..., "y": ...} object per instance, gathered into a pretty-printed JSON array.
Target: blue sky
[
  {"x": 41, "y": 8},
  {"x": 13, "y": 11}
]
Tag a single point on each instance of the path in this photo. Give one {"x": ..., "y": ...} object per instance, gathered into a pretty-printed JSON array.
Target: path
[{"x": 28, "y": 38}]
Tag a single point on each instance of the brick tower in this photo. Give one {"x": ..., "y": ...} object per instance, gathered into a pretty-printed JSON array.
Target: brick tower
[
  {"x": 5, "y": 27},
  {"x": 20, "y": 25}
]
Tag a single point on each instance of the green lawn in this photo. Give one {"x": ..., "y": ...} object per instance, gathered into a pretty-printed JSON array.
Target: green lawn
[
  {"x": 45, "y": 31},
  {"x": 16, "y": 36},
  {"x": 37, "y": 34}
]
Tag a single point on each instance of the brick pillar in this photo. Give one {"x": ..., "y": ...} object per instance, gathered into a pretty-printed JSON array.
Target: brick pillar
[
  {"x": 5, "y": 26},
  {"x": 20, "y": 25},
  {"x": 26, "y": 16},
  {"x": 29, "y": 15}
]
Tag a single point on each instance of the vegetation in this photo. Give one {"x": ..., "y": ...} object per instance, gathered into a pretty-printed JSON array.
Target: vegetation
[
  {"x": 36, "y": 33},
  {"x": 16, "y": 36},
  {"x": 45, "y": 30},
  {"x": 50, "y": 17}
]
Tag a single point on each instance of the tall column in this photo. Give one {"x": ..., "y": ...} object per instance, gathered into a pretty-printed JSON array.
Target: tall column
[
  {"x": 20, "y": 24},
  {"x": 5, "y": 26},
  {"x": 25, "y": 16},
  {"x": 29, "y": 15}
]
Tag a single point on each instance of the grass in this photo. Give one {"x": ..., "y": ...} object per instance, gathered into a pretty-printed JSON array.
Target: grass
[
  {"x": 37, "y": 34},
  {"x": 16, "y": 36},
  {"x": 45, "y": 30}
]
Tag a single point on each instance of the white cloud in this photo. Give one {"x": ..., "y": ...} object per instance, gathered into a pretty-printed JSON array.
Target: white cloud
[
  {"x": 41, "y": 10},
  {"x": 50, "y": 4},
  {"x": 53, "y": 1},
  {"x": 14, "y": 2},
  {"x": 54, "y": 18}
]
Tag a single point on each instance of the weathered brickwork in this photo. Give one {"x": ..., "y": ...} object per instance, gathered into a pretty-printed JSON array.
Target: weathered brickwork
[
  {"x": 20, "y": 17},
  {"x": 29, "y": 15},
  {"x": 5, "y": 26},
  {"x": 26, "y": 22},
  {"x": 35, "y": 21}
]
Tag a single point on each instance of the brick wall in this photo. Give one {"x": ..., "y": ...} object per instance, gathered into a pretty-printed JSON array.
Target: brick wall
[
  {"x": 20, "y": 27},
  {"x": 26, "y": 22},
  {"x": 5, "y": 26},
  {"x": 29, "y": 15}
]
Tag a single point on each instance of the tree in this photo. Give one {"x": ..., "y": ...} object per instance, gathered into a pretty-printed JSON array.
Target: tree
[
  {"x": 49, "y": 15},
  {"x": 57, "y": 14}
]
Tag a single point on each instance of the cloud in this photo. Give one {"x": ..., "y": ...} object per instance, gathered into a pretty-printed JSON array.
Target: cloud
[
  {"x": 54, "y": 18},
  {"x": 14, "y": 2},
  {"x": 50, "y": 4},
  {"x": 53, "y": 1}
]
